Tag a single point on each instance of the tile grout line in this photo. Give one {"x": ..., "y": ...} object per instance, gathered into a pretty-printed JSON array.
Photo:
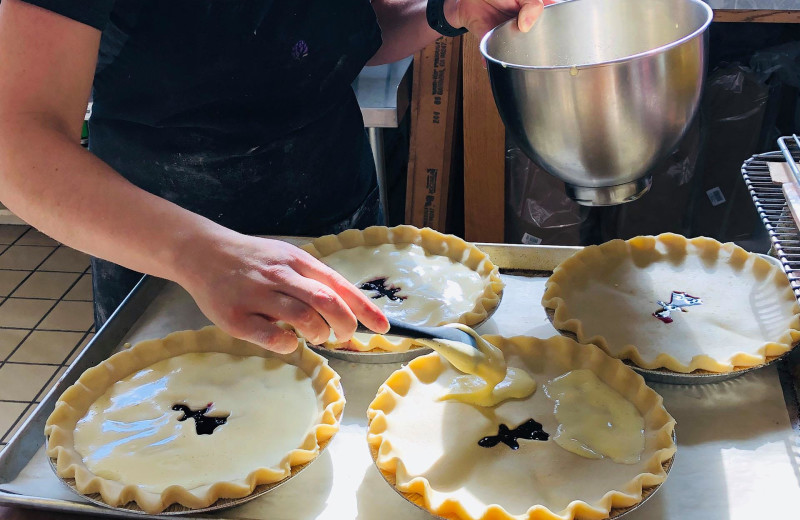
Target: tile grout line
[
  {"x": 34, "y": 230},
  {"x": 64, "y": 363},
  {"x": 59, "y": 299},
  {"x": 35, "y": 401},
  {"x": 35, "y": 363},
  {"x": 3, "y": 270},
  {"x": 10, "y": 429},
  {"x": 6, "y": 248},
  {"x": 30, "y": 331},
  {"x": 6, "y": 269},
  {"x": 80, "y": 274},
  {"x": 49, "y": 330},
  {"x": 25, "y": 410},
  {"x": 30, "y": 272}
]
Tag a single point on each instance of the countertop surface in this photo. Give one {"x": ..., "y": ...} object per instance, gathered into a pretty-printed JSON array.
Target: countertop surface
[{"x": 782, "y": 5}]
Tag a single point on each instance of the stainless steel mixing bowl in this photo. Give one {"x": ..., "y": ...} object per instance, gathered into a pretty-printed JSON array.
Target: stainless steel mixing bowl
[{"x": 599, "y": 90}]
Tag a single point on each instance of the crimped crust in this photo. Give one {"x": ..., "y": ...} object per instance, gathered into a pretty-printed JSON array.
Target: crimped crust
[
  {"x": 76, "y": 400},
  {"x": 717, "y": 267},
  {"x": 434, "y": 243},
  {"x": 559, "y": 354}
]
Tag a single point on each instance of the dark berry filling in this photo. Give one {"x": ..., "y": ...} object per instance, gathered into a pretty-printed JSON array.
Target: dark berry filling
[
  {"x": 203, "y": 424},
  {"x": 530, "y": 430},
  {"x": 379, "y": 285}
]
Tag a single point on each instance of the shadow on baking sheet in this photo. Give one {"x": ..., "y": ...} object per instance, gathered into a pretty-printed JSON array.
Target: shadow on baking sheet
[
  {"x": 733, "y": 413},
  {"x": 733, "y": 442},
  {"x": 360, "y": 386},
  {"x": 789, "y": 373},
  {"x": 532, "y": 327},
  {"x": 391, "y": 506},
  {"x": 304, "y": 496},
  {"x": 793, "y": 450}
]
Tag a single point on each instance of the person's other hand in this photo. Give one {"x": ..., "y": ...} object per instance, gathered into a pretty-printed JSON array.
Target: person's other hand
[
  {"x": 481, "y": 16},
  {"x": 245, "y": 284}
]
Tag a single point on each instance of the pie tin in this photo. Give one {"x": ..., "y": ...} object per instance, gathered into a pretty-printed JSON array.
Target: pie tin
[
  {"x": 614, "y": 514},
  {"x": 696, "y": 377},
  {"x": 671, "y": 377},
  {"x": 374, "y": 356},
  {"x": 178, "y": 509},
  {"x": 378, "y": 356}
]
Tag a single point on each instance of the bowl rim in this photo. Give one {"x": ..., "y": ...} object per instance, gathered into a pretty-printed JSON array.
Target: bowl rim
[{"x": 484, "y": 42}]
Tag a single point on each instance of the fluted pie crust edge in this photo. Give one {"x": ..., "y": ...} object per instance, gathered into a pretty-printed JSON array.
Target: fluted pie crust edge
[
  {"x": 431, "y": 241},
  {"x": 566, "y": 352},
  {"x": 94, "y": 382},
  {"x": 585, "y": 259}
]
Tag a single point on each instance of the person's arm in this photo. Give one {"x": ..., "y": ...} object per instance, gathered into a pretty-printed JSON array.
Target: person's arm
[
  {"x": 241, "y": 283},
  {"x": 405, "y": 28}
]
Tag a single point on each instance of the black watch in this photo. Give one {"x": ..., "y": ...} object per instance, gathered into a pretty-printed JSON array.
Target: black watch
[{"x": 437, "y": 21}]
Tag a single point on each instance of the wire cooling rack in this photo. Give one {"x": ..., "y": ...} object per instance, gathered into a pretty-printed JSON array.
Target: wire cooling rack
[{"x": 771, "y": 205}]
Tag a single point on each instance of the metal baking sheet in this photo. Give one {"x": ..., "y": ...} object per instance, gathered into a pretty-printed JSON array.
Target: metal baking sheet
[{"x": 738, "y": 454}]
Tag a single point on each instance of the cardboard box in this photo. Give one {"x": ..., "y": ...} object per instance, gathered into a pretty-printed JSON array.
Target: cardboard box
[
  {"x": 537, "y": 209},
  {"x": 434, "y": 120}
]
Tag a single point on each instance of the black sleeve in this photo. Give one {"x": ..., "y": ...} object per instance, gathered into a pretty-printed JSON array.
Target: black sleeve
[{"x": 94, "y": 13}]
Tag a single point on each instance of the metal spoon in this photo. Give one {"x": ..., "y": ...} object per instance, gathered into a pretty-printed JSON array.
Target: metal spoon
[{"x": 406, "y": 330}]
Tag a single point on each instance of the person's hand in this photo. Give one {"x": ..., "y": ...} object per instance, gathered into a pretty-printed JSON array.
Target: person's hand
[
  {"x": 481, "y": 16},
  {"x": 244, "y": 284}
]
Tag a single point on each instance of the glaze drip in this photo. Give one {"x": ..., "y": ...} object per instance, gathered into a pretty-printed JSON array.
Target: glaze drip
[
  {"x": 594, "y": 419},
  {"x": 530, "y": 430},
  {"x": 487, "y": 380},
  {"x": 203, "y": 424}
]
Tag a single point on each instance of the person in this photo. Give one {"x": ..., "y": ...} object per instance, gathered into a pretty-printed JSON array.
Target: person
[{"x": 212, "y": 121}]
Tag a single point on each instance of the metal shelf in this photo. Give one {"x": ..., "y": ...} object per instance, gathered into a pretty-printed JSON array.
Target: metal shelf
[{"x": 771, "y": 205}]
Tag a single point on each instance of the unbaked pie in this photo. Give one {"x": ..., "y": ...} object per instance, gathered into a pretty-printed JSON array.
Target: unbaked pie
[
  {"x": 667, "y": 301},
  {"x": 192, "y": 418},
  {"x": 590, "y": 438},
  {"x": 418, "y": 276}
]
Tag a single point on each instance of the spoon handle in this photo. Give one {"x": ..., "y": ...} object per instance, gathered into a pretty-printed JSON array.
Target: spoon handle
[{"x": 406, "y": 330}]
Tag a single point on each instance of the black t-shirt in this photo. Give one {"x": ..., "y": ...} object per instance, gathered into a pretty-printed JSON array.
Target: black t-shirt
[{"x": 240, "y": 110}]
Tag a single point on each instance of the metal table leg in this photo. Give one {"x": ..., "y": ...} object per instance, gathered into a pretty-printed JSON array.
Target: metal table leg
[{"x": 376, "y": 143}]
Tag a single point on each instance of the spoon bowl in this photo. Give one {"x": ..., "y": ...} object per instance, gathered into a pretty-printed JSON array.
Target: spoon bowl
[{"x": 406, "y": 330}]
